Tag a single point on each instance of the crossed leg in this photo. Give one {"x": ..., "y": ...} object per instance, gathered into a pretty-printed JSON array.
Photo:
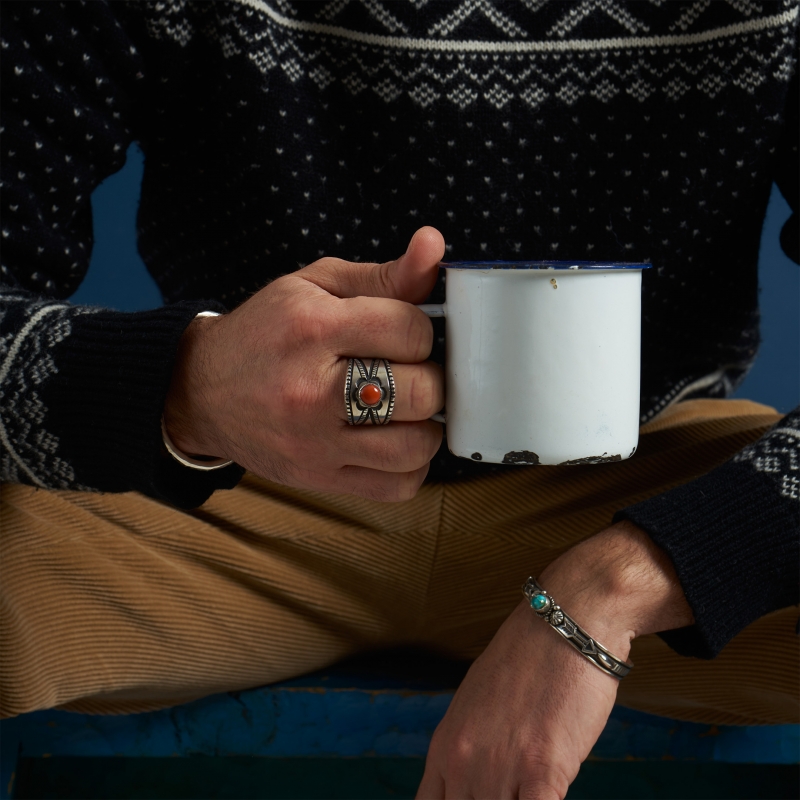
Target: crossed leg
[{"x": 116, "y": 603}]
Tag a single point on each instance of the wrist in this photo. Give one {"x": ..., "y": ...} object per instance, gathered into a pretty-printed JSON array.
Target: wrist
[
  {"x": 187, "y": 417},
  {"x": 618, "y": 585}
]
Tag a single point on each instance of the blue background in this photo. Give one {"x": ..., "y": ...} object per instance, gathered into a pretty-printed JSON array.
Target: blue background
[{"x": 117, "y": 278}]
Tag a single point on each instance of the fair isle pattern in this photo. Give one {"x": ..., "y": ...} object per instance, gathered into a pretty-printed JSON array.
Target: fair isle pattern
[
  {"x": 777, "y": 455},
  {"x": 520, "y": 69},
  {"x": 29, "y": 452},
  {"x": 498, "y": 63}
]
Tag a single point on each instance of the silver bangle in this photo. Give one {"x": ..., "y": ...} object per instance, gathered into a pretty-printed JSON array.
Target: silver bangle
[
  {"x": 546, "y": 607},
  {"x": 206, "y": 464}
]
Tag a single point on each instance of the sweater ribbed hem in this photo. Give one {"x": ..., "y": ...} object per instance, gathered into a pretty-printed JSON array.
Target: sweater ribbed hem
[
  {"x": 115, "y": 371},
  {"x": 724, "y": 532}
]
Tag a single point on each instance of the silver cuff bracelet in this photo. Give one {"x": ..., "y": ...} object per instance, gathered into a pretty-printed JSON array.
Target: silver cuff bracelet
[
  {"x": 205, "y": 464},
  {"x": 552, "y": 613}
]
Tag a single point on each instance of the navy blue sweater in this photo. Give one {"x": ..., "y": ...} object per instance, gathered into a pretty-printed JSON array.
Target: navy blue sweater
[{"x": 278, "y": 132}]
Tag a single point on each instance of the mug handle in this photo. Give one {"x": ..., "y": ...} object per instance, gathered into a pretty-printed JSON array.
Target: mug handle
[{"x": 434, "y": 310}]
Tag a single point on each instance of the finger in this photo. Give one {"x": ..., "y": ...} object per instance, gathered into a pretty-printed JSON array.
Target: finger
[
  {"x": 539, "y": 790},
  {"x": 378, "y": 327},
  {"x": 419, "y": 391},
  {"x": 397, "y": 447},
  {"x": 431, "y": 787},
  {"x": 371, "y": 484},
  {"x": 410, "y": 277}
]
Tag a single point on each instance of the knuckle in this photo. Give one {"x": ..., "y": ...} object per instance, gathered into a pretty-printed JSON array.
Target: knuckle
[
  {"x": 311, "y": 324},
  {"x": 461, "y": 751},
  {"x": 329, "y": 264},
  {"x": 371, "y": 319},
  {"x": 381, "y": 275},
  {"x": 406, "y": 488},
  {"x": 374, "y": 491},
  {"x": 394, "y": 488},
  {"x": 543, "y": 780},
  {"x": 425, "y": 440},
  {"x": 424, "y": 396},
  {"x": 409, "y": 450},
  {"x": 298, "y": 398},
  {"x": 418, "y": 334}
]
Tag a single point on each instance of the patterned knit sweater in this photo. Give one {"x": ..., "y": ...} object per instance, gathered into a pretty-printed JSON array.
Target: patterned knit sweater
[{"x": 277, "y": 132}]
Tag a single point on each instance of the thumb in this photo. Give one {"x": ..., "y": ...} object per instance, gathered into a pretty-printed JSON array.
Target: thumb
[{"x": 409, "y": 278}]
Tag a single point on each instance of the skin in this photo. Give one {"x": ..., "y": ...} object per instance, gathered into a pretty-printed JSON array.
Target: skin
[
  {"x": 531, "y": 708},
  {"x": 280, "y": 358}
]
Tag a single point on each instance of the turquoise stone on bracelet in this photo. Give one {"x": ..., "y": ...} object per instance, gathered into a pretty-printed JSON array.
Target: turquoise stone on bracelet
[{"x": 538, "y": 602}]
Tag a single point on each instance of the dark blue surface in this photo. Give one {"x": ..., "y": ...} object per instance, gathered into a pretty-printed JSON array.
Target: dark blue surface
[
  {"x": 775, "y": 377},
  {"x": 317, "y": 721},
  {"x": 117, "y": 277}
]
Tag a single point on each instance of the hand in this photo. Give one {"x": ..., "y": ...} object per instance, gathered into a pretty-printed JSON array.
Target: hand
[
  {"x": 264, "y": 385},
  {"x": 531, "y": 707}
]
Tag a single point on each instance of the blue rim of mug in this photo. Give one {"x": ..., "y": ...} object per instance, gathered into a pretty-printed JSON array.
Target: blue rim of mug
[{"x": 545, "y": 265}]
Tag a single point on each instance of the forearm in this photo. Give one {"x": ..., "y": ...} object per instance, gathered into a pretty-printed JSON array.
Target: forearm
[
  {"x": 618, "y": 585},
  {"x": 84, "y": 391},
  {"x": 732, "y": 536}
]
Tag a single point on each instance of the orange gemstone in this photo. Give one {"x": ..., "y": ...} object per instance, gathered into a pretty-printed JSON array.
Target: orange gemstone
[{"x": 370, "y": 394}]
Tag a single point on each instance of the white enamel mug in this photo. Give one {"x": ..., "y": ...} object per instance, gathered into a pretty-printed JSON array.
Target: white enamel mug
[{"x": 542, "y": 360}]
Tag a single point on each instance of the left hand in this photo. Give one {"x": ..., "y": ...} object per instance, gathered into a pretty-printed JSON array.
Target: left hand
[{"x": 531, "y": 707}]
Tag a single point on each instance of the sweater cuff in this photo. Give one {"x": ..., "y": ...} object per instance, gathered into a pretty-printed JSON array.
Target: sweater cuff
[
  {"x": 115, "y": 370},
  {"x": 733, "y": 540}
]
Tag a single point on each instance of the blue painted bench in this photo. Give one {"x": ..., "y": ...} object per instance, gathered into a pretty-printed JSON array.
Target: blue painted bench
[{"x": 362, "y": 714}]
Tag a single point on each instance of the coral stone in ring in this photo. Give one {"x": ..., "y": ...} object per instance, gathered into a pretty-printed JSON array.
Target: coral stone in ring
[
  {"x": 370, "y": 394},
  {"x": 369, "y": 391}
]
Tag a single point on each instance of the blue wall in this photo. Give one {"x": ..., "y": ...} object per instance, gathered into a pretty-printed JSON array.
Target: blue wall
[{"x": 118, "y": 278}]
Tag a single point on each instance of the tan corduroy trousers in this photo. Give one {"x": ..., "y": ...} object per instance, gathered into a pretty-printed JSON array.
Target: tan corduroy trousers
[{"x": 116, "y": 603}]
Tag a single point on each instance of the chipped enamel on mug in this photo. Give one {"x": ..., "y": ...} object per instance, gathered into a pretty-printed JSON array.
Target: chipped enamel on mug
[{"x": 542, "y": 360}]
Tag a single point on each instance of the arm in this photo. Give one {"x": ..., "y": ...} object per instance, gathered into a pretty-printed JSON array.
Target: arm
[
  {"x": 82, "y": 388},
  {"x": 734, "y": 535},
  {"x": 86, "y": 388},
  {"x": 531, "y": 708}
]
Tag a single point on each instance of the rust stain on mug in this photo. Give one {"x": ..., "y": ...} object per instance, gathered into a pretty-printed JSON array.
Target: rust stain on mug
[
  {"x": 521, "y": 457},
  {"x": 603, "y": 459}
]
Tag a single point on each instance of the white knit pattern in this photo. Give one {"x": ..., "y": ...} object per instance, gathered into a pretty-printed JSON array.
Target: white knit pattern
[
  {"x": 777, "y": 454},
  {"x": 522, "y": 69},
  {"x": 28, "y": 452}
]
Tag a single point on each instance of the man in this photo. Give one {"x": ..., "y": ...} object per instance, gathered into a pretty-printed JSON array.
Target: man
[{"x": 272, "y": 131}]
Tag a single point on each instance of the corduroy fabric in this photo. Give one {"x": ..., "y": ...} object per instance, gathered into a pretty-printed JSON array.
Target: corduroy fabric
[{"x": 116, "y": 603}]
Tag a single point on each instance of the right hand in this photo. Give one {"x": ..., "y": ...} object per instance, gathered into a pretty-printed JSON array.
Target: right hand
[{"x": 264, "y": 385}]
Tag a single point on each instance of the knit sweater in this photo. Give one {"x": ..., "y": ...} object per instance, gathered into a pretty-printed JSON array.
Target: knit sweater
[{"x": 278, "y": 132}]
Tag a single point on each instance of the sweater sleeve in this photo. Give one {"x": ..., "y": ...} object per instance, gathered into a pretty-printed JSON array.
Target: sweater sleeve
[
  {"x": 734, "y": 535},
  {"x": 82, "y": 388}
]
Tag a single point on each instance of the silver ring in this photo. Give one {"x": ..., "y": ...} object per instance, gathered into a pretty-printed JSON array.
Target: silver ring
[{"x": 369, "y": 391}]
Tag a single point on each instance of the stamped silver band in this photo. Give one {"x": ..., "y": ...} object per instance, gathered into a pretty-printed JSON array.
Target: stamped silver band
[
  {"x": 204, "y": 465},
  {"x": 547, "y": 608},
  {"x": 369, "y": 391}
]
